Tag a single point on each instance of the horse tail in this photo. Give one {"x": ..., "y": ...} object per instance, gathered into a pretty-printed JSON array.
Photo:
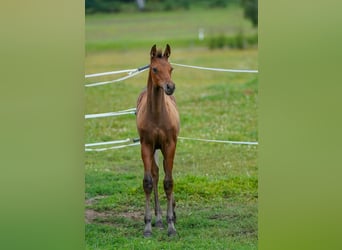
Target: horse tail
[{"x": 156, "y": 157}]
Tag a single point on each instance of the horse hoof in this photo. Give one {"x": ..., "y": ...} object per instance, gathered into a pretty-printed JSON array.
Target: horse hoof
[
  {"x": 159, "y": 224},
  {"x": 147, "y": 234},
  {"x": 171, "y": 232}
]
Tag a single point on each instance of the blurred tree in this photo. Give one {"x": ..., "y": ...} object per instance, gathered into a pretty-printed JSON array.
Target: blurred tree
[
  {"x": 92, "y": 6},
  {"x": 251, "y": 10}
]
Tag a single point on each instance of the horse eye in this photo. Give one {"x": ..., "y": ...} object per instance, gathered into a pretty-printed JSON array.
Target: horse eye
[
  {"x": 171, "y": 69},
  {"x": 155, "y": 70}
]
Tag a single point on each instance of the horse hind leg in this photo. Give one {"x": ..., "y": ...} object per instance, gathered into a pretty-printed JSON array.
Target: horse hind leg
[
  {"x": 171, "y": 215},
  {"x": 155, "y": 176},
  {"x": 147, "y": 156},
  {"x": 147, "y": 184},
  {"x": 174, "y": 211}
]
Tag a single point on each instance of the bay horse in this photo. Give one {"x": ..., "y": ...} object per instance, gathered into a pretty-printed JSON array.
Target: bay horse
[{"x": 158, "y": 127}]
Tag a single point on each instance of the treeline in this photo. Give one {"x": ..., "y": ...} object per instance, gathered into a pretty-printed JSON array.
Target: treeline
[
  {"x": 237, "y": 41},
  {"x": 106, "y": 6},
  {"x": 93, "y": 6}
]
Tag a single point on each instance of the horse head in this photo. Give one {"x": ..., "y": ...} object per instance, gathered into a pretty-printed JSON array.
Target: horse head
[{"x": 161, "y": 69}]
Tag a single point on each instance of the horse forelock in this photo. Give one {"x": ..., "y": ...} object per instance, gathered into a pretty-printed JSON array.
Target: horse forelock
[{"x": 159, "y": 53}]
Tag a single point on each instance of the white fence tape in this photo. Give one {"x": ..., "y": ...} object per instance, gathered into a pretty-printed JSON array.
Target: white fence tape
[
  {"x": 134, "y": 72},
  {"x": 110, "y": 73},
  {"x": 219, "y": 141},
  {"x": 115, "y": 147},
  {"x": 123, "y": 112},
  {"x": 116, "y": 80},
  {"x": 106, "y": 143},
  {"x": 218, "y": 69}
]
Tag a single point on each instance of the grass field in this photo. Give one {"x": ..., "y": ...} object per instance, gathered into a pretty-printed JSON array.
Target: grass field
[
  {"x": 215, "y": 184},
  {"x": 132, "y": 30}
]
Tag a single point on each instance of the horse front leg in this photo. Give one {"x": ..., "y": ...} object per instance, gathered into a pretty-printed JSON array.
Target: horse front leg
[
  {"x": 155, "y": 176},
  {"x": 147, "y": 157},
  {"x": 168, "y": 188}
]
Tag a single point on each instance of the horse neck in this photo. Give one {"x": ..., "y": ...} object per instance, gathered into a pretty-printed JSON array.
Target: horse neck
[{"x": 155, "y": 99}]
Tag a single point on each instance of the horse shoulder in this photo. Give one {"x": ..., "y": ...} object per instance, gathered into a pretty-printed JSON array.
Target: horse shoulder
[
  {"x": 173, "y": 111},
  {"x": 141, "y": 108},
  {"x": 142, "y": 98}
]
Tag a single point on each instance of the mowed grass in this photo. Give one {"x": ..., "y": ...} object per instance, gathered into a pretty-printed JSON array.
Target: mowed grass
[{"x": 215, "y": 184}]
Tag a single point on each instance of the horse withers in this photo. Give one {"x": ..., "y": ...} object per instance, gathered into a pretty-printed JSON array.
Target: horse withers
[{"x": 158, "y": 126}]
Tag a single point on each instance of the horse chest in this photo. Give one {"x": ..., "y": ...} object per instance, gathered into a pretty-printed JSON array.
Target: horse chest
[
  {"x": 157, "y": 131},
  {"x": 162, "y": 128},
  {"x": 158, "y": 122},
  {"x": 161, "y": 136}
]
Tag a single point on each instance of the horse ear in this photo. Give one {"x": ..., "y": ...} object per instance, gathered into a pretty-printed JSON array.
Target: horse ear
[
  {"x": 153, "y": 52},
  {"x": 167, "y": 51}
]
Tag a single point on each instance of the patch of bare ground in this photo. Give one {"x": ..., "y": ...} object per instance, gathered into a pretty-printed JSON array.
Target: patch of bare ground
[
  {"x": 91, "y": 215},
  {"x": 104, "y": 217},
  {"x": 93, "y": 200}
]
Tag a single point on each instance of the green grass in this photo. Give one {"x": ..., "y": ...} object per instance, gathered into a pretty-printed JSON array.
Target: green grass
[
  {"x": 215, "y": 184},
  {"x": 131, "y": 30}
]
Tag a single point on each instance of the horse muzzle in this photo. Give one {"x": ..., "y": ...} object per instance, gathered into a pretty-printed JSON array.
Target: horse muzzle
[{"x": 169, "y": 88}]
